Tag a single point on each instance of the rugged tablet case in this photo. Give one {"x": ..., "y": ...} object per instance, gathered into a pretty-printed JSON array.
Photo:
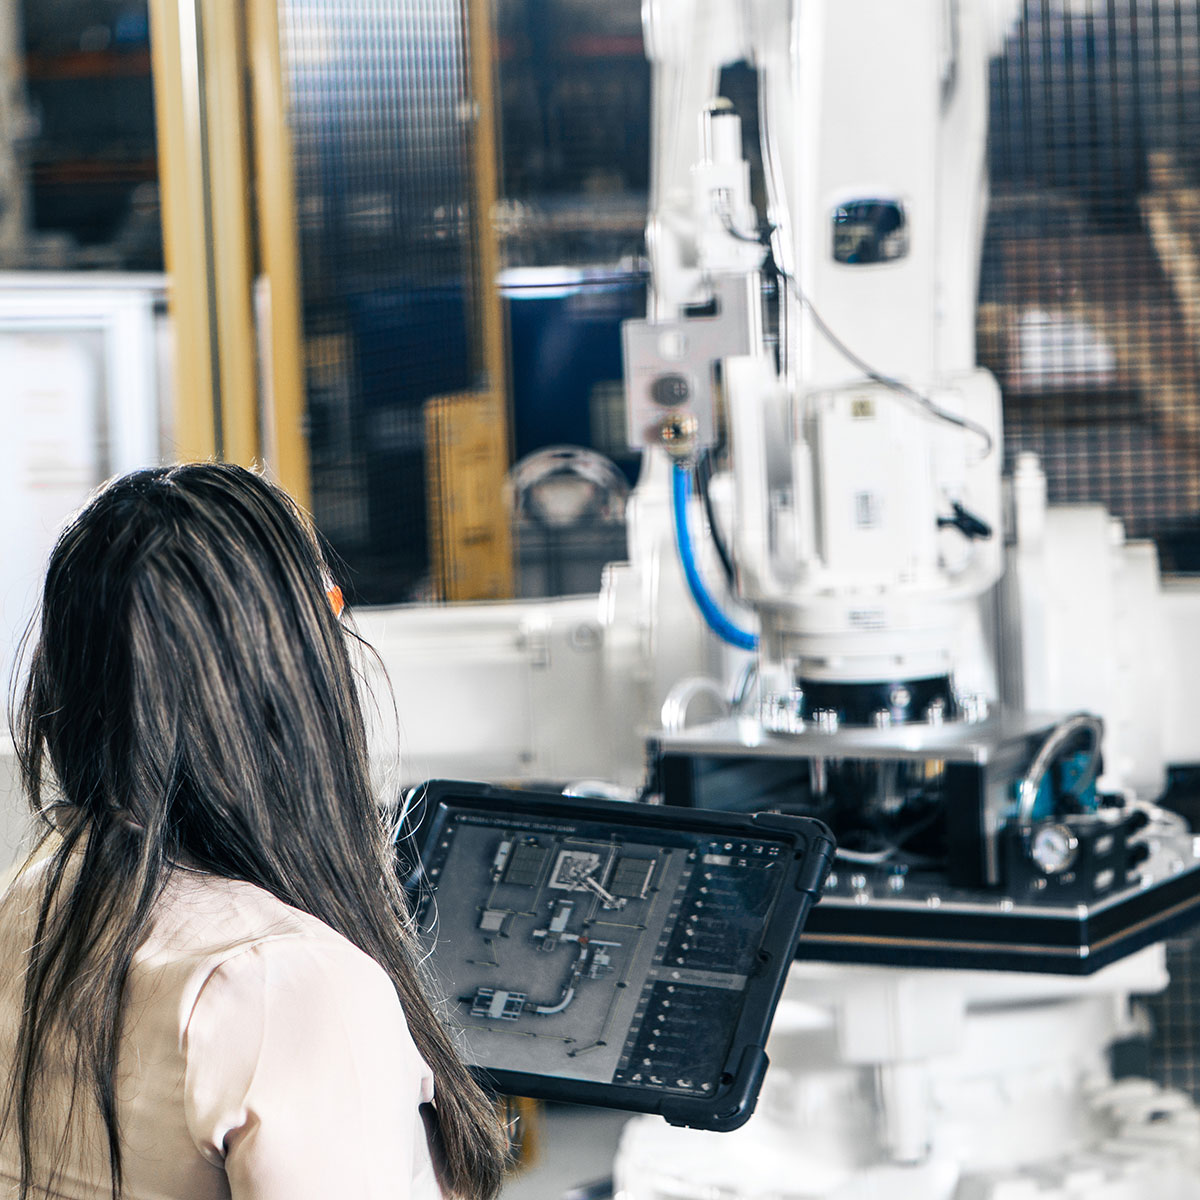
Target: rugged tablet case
[{"x": 809, "y": 856}]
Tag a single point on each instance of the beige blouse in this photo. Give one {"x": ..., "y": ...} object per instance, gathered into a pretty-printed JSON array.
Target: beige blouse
[{"x": 263, "y": 1057}]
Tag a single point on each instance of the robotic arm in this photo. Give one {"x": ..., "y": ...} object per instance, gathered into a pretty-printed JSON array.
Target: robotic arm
[{"x": 865, "y": 449}]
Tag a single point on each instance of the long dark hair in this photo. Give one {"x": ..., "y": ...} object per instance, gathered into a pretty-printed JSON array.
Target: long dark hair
[{"x": 194, "y": 695}]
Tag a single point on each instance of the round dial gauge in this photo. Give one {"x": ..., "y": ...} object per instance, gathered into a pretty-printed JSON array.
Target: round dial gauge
[{"x": 1053, "y": 848}]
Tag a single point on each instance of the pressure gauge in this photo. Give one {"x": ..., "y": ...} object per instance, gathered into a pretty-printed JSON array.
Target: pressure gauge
[{"x": 1053, "y": 848}]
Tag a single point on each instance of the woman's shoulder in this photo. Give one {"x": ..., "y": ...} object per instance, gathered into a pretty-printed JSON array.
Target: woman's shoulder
[
  {"x": 204, "y": 922},
  {"x": 198, "y": 902}
]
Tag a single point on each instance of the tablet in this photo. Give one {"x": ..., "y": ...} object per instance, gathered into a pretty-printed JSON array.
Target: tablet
[{"x": 611, "y": 953}]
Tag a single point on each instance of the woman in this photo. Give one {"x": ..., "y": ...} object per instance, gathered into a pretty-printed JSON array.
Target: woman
[{"x": 209, "y": 984}]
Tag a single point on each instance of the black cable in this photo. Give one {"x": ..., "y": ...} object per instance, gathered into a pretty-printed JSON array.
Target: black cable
[
  {"x": 887, "y": 381},
  {"x": 758, "y": 239},
  {"x": 766, "y": 239},
  {"x": 703, "y": 478}
]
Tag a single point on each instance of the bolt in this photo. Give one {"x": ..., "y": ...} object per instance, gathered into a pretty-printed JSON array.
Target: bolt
[
  {"x": 678, "y": 433},
  {"x": 826, "y": 720},
  {"x": 780, "y": 711}
]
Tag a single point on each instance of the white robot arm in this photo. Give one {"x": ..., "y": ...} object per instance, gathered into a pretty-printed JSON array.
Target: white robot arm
[{"x": 865, "y": 448}]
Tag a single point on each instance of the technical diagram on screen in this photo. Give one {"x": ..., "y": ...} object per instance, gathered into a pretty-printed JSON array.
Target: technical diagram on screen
[{"x": 610, "y": 953}]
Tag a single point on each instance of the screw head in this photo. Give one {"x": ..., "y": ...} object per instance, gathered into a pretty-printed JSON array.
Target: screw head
[{"x": 670, "y": 389}]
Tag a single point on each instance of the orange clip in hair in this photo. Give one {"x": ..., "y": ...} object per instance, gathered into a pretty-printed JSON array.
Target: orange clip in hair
[{"x": 336, "y": 600}]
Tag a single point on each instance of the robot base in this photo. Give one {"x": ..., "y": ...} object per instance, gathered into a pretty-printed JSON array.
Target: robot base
[
  {"x": 936, "y": 1085},
  {"x": 936, "y": 926},
  {"x": 980, "y": 894}
]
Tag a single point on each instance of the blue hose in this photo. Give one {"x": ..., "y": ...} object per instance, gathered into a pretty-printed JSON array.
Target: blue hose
[{"x": 717, "y": 621}]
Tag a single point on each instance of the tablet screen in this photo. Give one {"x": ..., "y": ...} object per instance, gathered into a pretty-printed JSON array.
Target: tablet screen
[{"x": 605, "y": 944}]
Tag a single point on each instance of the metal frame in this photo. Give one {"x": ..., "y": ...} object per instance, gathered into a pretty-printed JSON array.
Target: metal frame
[
  {"x": 179, "y": 113},
  {"x": 283, "y": 396},
  {"x": 215, "y": 63}
]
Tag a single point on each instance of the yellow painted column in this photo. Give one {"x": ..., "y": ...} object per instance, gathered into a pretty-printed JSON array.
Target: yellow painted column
[
  {"x": 186, "y": 215},
  {"x": 227, "y": 127},
  {"x": 198, "y": 49},
  {"x": 486, "y": 190},
  {"x": 474, "y": 559},
  {"x": 284, "y": 383}
]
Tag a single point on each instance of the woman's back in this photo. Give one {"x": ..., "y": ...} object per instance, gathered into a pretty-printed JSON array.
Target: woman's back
[
  {"x": 191, "y": 699},
  {"x": 261, "y": 1054}
]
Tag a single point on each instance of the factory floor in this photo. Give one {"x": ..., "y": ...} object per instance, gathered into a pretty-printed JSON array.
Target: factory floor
[{"x": 575, "y": 1147}]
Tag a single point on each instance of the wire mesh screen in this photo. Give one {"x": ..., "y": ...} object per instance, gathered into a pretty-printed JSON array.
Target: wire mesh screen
[
  {"x": 381, "y": 129},
  {"x": 1090, "y": 293},
  {"x": 1174, "y": 1051},
  {"x": 575, "y": 126}
]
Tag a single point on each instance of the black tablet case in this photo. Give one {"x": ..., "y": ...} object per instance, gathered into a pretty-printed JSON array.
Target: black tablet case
[{"x": 751, "y": 877}]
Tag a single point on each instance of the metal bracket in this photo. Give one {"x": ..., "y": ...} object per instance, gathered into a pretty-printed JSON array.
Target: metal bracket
[{"x": 668, "y": 364}]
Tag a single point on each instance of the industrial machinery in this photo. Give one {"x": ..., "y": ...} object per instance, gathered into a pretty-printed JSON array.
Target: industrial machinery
[
  {"x": 971, "y": 688},
  {"x": 863, "y": 524},
  {"x": 863, "y": 527}
]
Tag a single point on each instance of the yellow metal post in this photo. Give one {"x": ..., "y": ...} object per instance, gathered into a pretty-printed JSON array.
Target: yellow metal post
[
  {"x": 211, "y": 59},
  {"x": 227, "y": 114},
  {"x": 473, "y": 558},
  {"x": 486, "y": 191},
  {"x": 284, "y": 408},
  {"x": 175, "y": 36},
  {"x": 200, "y": 102}
]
